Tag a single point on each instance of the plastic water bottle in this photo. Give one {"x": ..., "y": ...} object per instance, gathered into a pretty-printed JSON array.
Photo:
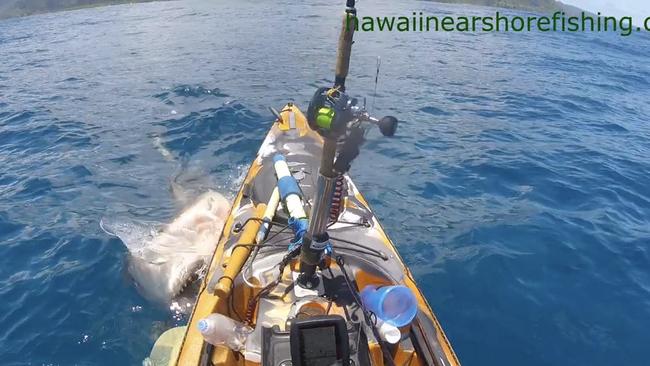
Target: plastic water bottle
[
  {"x": 388, "y": 332},
  {"x": 218, "y": 329}
]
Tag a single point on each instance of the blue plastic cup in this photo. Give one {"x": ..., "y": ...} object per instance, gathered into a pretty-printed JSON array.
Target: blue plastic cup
[{"x": 395, "y": 305}]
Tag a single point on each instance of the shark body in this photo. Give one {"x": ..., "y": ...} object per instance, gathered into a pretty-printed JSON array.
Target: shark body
[{"x": 165, "y": 260}]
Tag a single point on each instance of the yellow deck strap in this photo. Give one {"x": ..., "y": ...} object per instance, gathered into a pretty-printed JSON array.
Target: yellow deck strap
[{"x": 291, "y": 115}]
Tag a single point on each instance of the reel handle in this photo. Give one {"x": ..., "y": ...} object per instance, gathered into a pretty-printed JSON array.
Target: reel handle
[{"x": 387, "y": 125}]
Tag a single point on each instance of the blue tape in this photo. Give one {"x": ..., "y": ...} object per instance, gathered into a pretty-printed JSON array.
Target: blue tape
[
  {"x": 278, "y": 157},
  {"x": 299, "y": 227},
  {"x": 295, "y": 244},
  {"x": 288, "y": 185},
  {"x": 328, "y": 249}
]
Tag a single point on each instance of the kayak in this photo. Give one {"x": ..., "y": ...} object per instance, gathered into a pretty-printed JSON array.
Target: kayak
[
  {"x": 303, "y": 273},
  {"x": 360, "y": 245}
]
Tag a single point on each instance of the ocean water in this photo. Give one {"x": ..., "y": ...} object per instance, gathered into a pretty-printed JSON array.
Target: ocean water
[{"x": 517, "y": 189}]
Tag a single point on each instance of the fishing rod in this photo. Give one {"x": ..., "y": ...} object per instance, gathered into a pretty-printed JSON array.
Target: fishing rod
[
  {"x": 345, "y": 46},
  {"x": 340, "y": 121}
]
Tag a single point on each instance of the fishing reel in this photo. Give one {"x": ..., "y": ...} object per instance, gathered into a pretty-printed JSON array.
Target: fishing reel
[{"x": 332, "y": 113}]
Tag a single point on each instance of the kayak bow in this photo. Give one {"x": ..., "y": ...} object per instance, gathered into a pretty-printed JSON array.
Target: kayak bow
[{"x": 327, "y": 288}]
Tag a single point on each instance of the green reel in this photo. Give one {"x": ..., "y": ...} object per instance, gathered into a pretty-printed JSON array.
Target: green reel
[
  {"x": 325, "y": 117},
  {"x": 329, "y": 112}
]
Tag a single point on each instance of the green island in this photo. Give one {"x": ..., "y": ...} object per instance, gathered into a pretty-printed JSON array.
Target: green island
[
  {"x": 17, "y": 8},
  {"x": 541, "y": 6}
]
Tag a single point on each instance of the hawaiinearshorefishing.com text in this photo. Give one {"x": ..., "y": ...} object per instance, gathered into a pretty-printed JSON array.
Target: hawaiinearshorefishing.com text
[{"x": 556, "y": 22}]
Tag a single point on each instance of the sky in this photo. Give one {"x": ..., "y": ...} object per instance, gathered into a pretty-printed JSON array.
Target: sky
[{"x": 634, "y": 8}]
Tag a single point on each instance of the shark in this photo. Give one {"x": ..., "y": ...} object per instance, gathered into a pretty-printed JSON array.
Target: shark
[{"x": 165, "y": 260}]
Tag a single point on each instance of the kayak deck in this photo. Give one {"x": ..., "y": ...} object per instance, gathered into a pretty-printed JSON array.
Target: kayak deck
[{"x": 361, "y": 251}]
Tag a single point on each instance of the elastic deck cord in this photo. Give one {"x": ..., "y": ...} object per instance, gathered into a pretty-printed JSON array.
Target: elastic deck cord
[{"x": 366, "y": 314}]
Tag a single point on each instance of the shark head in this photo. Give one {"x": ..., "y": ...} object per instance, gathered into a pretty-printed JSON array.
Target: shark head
[{"x": 165, "y": 260}]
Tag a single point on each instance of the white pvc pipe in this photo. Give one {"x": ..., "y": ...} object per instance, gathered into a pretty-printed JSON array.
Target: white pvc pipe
[{"x": 292, "y": 201}]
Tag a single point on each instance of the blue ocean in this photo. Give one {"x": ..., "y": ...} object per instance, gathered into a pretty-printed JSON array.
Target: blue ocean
[{"x": 517, "y": 188}]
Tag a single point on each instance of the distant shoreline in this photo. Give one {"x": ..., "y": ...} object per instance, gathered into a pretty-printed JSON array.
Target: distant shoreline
[
  {"x": 541, "y": 6},
  {"x": 9, "y": 12},
  {"x": 23, "y": 8}
]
